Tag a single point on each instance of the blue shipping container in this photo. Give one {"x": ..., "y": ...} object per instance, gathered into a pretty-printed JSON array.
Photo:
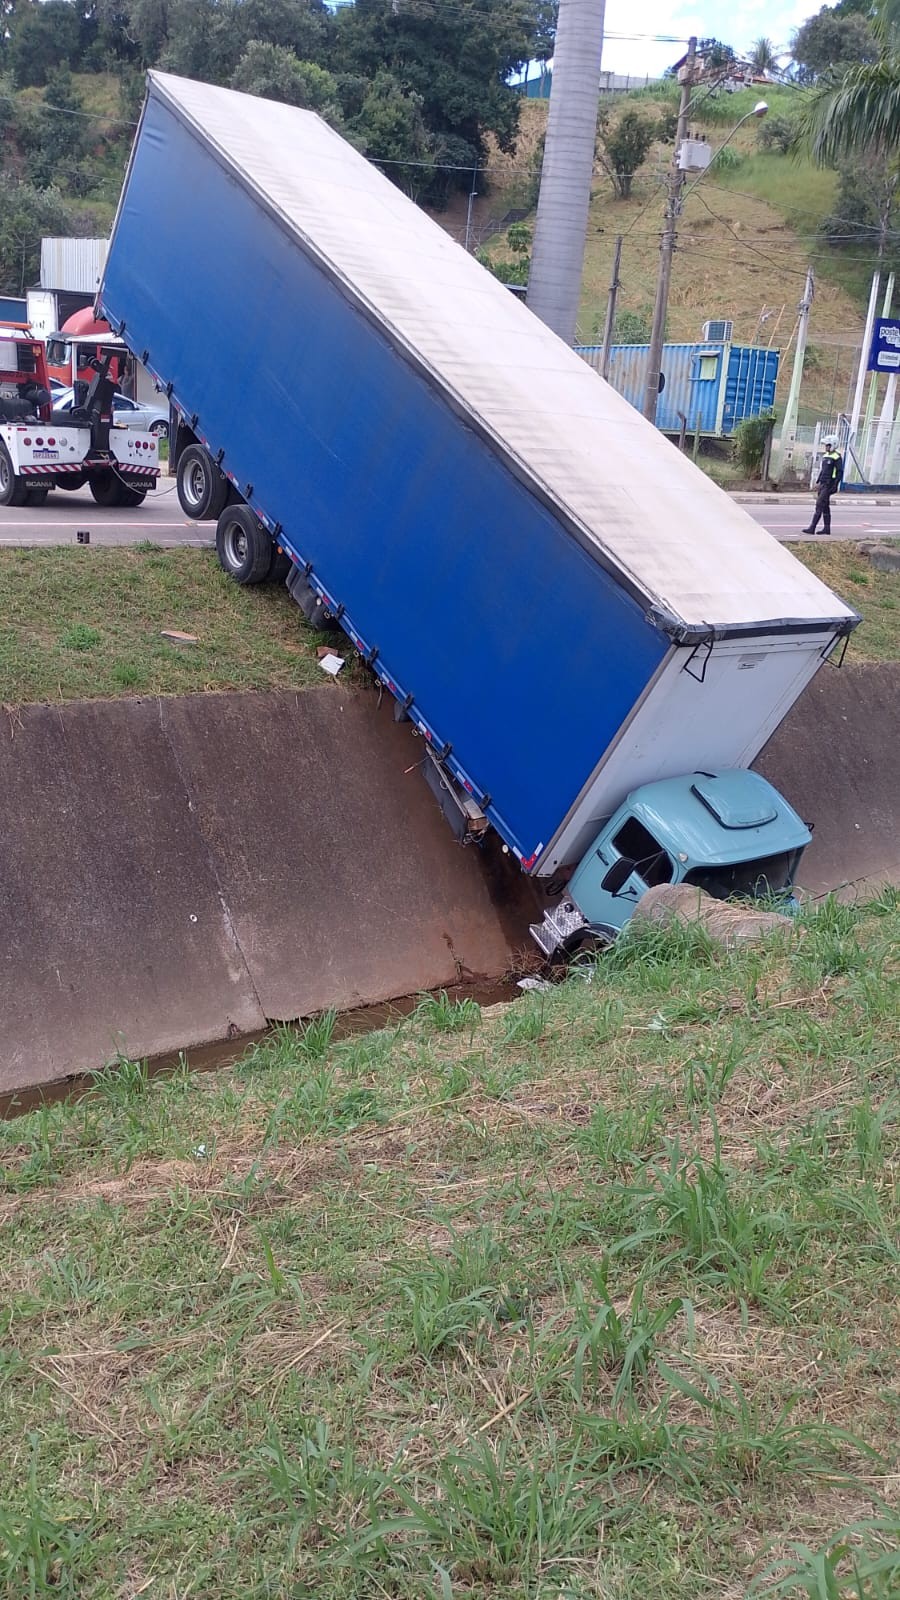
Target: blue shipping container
[{"x": 716, "y": 384}]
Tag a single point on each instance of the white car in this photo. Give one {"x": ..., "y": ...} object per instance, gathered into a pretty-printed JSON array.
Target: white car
[{"x": 126, "y": 413}]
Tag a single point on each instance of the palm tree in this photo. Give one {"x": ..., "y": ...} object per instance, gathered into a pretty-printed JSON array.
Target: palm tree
[
  {"x": 857, "y": 111},
  {"x": 763, "y": 56}
]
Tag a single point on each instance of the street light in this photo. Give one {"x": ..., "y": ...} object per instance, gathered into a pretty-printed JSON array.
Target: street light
[{"x": 674, "y": 205}]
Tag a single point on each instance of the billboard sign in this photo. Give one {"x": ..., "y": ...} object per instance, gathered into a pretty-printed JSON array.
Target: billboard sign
[{"x": 884, "y": 355}]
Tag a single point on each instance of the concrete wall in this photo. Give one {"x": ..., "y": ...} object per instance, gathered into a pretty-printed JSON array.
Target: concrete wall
[
  {"x": 175, "y": 871},
  {"x": 837, "y": 759}
]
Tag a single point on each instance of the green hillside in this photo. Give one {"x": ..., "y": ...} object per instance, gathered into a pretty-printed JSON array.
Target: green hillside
[{"x": 748, "y": 233}]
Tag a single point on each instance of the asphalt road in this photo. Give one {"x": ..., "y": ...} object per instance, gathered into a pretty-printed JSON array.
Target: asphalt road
[
  {"x": 850, "y": 519},
  {"x": 161, "y": 519},
  {"x": 66, "y": 514}
]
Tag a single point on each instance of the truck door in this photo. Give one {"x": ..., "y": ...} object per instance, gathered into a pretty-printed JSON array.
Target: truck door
[{"x": 624, "y": 862}]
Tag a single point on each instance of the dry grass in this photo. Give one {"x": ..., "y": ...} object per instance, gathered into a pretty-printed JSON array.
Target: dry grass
[{"x": 875, "y": 595}]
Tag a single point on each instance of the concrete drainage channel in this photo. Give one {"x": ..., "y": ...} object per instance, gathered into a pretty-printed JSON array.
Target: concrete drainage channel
[
  {"x": 220, "y": 1054},
  {"x": 180, "y": 873}
]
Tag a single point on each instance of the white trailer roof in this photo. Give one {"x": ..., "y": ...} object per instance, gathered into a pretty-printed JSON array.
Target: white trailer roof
[{"x": 645, "y": 509}]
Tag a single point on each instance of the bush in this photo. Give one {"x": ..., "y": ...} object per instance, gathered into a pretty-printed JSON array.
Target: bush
[
  {"x": 634, "y": 327},
  {"x": 749, "y": 442},
  {"x": 777, "y": 133},
  {"x": 728, "y": 158}
]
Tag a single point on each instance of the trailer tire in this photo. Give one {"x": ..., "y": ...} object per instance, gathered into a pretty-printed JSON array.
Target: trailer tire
[
  {"x": 71, "y": 480},
  {"x": 106, "y": 488},
  {"x": 202, "y": 489},
  {"x": 12, "y": 487},
  {"x": 243, "y": 546},
  {"x": 132, "y": 497}
]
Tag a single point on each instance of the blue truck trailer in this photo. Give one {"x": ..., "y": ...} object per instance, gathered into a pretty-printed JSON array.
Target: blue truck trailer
[{"x": 593, "y": 640}]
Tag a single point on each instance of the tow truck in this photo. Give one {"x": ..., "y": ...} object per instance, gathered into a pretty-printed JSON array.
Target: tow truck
[{"x": 42, "y": 450}]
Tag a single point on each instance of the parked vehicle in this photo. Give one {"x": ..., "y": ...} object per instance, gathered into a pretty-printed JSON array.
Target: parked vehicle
[
  {"x": 126, "y": 413},
  {"x": 43, "y": 448},
  {"x": 591, "y": 639}
]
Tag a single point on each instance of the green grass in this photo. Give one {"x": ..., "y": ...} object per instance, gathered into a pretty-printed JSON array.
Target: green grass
[
  {"x": 590, "y": 1296},
  {"x": 82, "y": 623},
  {"x": 875, "y": 595}
]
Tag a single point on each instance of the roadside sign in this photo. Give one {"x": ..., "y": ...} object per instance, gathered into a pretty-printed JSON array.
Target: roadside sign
[{"x": 884, "y": 355}]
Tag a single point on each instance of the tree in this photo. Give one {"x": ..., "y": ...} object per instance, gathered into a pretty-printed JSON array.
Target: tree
[
  {"x": 867, "y": 203},
  {"x": 857, "y": 113},
  {"x": 53, "y": 135},
  {"x": 623, "y": 146},
  {"x": 829, "y": 42},
  {"x": 777, "y": 133},
  {"x": 763, "y": 56},
  {"x": 302, "y": 26},
  {"x": 42, "y": 38},
  {"x": 716, "y": 56},
  {"x": 390, "y": 128},
  {"x": 273, "y": 71},
  {"x": 456, "y": 60},
  {"x": 26, "y": 215}
]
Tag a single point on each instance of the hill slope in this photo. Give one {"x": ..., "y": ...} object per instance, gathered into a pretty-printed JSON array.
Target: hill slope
[{"x": 748, "y": 233}]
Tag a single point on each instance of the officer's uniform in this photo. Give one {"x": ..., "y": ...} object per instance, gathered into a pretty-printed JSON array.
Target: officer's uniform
[{"x": 828, "y": 482}]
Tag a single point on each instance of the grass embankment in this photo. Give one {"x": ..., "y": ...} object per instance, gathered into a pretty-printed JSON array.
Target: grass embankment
[
  {"x": 875, "y": 595},
  {"x": 86, "y": 624},
  {"x": 594, "y": 1295}
]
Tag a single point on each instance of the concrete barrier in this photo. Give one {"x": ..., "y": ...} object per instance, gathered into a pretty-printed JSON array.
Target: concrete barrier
[
  {"x": 177, "y": 871},
  {"x": 836, "y": 757}
]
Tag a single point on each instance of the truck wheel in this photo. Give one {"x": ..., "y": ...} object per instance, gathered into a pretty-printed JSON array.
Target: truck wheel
[
  {"x": 132, "y": 497},
  {"x": 12, "y": 487},
  {"x": 71, "y": 480},
  {"x": 243, "y": 546},
  {"x": 202, "y": 489},
  {"x": 107, "y": 489},
  {"x": 36, "y": 497}
]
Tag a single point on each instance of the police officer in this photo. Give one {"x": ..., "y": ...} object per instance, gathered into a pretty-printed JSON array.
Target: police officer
[{"x": 831, "y": 474}]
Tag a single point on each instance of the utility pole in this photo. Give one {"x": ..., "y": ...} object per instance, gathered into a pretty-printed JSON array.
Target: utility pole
[
  {"x": 609, "y": 328},
  {"x": 789, "y": 425},
  {"x": 675, "y": 184},
  {"x": 554, "y": 282}
]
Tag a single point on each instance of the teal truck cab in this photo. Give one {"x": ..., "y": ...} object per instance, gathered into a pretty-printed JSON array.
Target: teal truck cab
[{"x": 729, "y": 833}]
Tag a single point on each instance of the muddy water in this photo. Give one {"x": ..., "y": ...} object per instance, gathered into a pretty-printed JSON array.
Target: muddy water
[{"x": 224, "y": 1053}]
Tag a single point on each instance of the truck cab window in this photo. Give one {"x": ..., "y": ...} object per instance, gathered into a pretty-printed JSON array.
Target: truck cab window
[
  {"x": 747, "y": 880},
  {"x": 637, "y": 843}
]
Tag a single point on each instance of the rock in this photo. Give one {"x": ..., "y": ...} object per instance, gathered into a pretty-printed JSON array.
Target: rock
[
  {"x": 883, "y": 557},
  {"x": 729, "y": 923}
]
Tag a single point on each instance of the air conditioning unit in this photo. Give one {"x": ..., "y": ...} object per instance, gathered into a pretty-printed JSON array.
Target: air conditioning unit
[{"x": 718, "y": 332}]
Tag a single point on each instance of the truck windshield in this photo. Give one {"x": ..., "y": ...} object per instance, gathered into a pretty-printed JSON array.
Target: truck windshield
[{"x": 747, "y": 880}]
